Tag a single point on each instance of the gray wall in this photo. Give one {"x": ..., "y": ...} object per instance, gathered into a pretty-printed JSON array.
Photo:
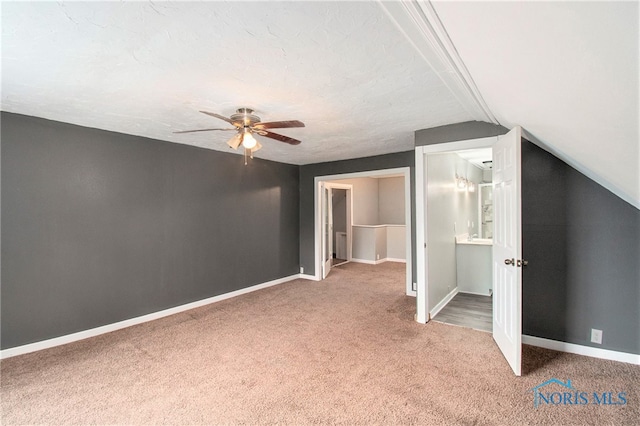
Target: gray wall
[
  {"x": 458, "y": 132},
  {"x": 99, "y": 227},
  {"x": 339, "y": 201},
  {"x": 583, "y": 245},
  {"x": 339, "y": 210},
  {"x": 310, "y": 171}
]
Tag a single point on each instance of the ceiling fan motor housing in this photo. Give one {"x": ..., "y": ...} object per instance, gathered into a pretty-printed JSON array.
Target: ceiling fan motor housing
[{"x": 245, "y": 117}]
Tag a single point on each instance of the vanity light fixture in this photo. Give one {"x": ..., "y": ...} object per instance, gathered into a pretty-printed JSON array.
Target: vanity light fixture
[{"x": 463, "y": 183}]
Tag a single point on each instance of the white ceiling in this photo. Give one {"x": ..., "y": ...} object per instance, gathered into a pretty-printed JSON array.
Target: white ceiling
[
  {"x": 478, "y": 157},
  {"x": 567, "y": 72},
  {"x": 363, "y": 76}
]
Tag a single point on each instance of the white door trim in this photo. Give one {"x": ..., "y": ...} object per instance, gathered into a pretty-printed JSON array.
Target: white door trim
[
  {"x": 349, "y": 218},
  {"x": 422, "y": 266},
  {"x": 404, "y": 171},
  {"x": 327, "y": 228}
]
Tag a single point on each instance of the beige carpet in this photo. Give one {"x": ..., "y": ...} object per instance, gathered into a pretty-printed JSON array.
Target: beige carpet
[{"x": 345, "y": 350}]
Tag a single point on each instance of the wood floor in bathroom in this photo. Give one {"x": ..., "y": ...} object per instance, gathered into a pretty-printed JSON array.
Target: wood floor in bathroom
[{"x": 468, "y": 310}]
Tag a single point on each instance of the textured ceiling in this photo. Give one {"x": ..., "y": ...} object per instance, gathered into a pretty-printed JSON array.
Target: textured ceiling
[
  {"x": 148, "y": 68},
  {"x": 363, "y": 75}
]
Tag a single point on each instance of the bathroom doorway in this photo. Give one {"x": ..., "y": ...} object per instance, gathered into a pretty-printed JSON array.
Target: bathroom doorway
[
  {"x": 460, "y": 226},
  {"x": 506, "y": 252}
]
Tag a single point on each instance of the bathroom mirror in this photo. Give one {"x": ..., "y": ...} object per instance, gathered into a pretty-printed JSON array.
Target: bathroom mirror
[{"x": 485, "y": 210}]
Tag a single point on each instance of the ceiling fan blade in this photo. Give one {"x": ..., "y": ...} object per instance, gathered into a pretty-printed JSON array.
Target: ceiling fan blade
[
  {"x": 202, "y": 130},
  {"x": 279, "y": 124},
  {"x": 278, "y": 137},
  {"x": 235, "y": 141},
  {"x": 221, "y": 117}
]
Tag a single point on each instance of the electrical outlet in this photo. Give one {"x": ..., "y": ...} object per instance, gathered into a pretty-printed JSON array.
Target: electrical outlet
[
  {"x": 302, "y": 269},
  {"x": 596, "y": 336},
  {"x": 377, "y": 257}
]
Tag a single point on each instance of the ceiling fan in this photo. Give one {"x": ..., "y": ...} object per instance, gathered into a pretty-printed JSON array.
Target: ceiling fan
[{"x": 246, "y": 124}]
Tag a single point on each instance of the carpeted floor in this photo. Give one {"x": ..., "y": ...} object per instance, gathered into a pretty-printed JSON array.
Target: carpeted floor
[{"x": 345, "y": 350}]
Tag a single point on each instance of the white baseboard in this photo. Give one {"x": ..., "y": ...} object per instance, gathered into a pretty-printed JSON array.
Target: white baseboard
[
  {"x": 443, "y": 303},
  {"x": 474, "y": 292},
  {"x": 367, "y": 261},
  {"x": 393, "y": 259},
  {"x": 74, "y": 337},
  {"x": 308, "y": 277},
  {"x": 376, "y": 262},
  {"x": 581, "y": 350}
]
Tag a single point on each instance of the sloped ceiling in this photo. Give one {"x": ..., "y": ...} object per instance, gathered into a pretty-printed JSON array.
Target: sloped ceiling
[
  {"x": 363, "y": 76},
  {"x": 567, "y": 72}
]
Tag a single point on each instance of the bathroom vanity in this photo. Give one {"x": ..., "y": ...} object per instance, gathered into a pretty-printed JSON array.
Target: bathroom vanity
[{"x": 474, "y": 265}]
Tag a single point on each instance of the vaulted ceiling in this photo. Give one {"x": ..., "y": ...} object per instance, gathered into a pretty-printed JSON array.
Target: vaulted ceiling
[{"x": 362, "y": 76}]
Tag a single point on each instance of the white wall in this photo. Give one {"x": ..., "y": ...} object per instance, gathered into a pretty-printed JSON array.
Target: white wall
[
  {"x": 373, "y": 243},
  {"x": 364, "y": 243},
  {"x": 391, "y": 201},
  {"x": 450, "y": 210},
  {"x": 381, "y": 242},
  {"x": 377, "y": 202},
  {"x": 474, "y": 268},
  {"x": 365, "y": 200},
  {"x": 396, "y": 243}
]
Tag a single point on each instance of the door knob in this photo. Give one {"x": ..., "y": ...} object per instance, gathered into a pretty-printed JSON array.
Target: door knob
[{"x": 509, "y": 262}]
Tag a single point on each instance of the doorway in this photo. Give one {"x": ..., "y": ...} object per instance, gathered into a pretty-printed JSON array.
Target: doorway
[
  {"x": 341, "y": 222},
  {"x": 322, "y": 220},
  {"x": 460, "y": 227},
  {"x": 431, "y": 299},
  {"x": 506, "y": 245},
  {"x": 337, "y": 217}
]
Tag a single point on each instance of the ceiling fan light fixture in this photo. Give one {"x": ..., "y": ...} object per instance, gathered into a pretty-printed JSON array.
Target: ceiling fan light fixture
[
  {"x": 245, "y": 123},
  {"x": 248, "y": 141}
]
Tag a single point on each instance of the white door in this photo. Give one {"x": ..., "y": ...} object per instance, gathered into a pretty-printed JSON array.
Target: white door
[
  {"x": 327, "y": 230},
  {"x": 507, "y": 248}
]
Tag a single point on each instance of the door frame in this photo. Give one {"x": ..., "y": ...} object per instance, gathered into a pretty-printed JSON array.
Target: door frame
[
  {"x": 317, "y": 197},
  {"x": 422, "y": 265},
  {"x": 330, "y": 186}
]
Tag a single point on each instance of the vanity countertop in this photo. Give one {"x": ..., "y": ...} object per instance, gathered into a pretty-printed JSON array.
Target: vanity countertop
[{"x": 464, "y": 239}]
